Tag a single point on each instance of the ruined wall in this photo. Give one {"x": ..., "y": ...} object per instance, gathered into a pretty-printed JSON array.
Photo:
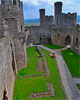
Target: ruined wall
[
  {"x": 39, "y": 34},
  {"x": 12, "y": 45},
  {"x": 66, "y": 36},
  {"x": 20, "y": 50},
  {"x": 6, "y": 68}
]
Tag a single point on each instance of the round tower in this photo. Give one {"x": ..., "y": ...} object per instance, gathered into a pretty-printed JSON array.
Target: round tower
[
  {"x": 42, "y": 16},
  {"x": 57, "y": 8}
]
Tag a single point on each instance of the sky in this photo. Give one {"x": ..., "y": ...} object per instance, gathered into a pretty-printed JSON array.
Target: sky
[{"x": 31, "y": 7}]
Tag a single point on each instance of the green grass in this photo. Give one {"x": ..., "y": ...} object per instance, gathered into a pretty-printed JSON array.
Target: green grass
[
  {"x": 73, "y": 61},
  {"x": 32, "y": 24},
  {"x": 53, "y": 46},
  {"x": 78, "y": 86},
  {"x": 30, "y": 69},
  {"x": 24, "y": 87}
]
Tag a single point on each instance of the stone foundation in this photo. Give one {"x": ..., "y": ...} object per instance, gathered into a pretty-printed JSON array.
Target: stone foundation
[{"x": 49, "y": 93}]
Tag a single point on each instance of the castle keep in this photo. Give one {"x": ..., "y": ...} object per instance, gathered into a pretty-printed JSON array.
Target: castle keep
[{"x": 12, "y": 45}]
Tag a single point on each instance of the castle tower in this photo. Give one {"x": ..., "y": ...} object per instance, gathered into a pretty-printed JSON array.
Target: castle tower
[
  {"x": 57, "y": 12},
  {"x": 42, "y": 16},
  {"x": 57, "y": 8}
]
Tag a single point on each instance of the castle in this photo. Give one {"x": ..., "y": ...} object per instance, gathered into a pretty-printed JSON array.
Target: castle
[
  {"x": 64, "y": 26},
  {"x": 12, "y": 45},
  {"x": 14, "y": 37}
]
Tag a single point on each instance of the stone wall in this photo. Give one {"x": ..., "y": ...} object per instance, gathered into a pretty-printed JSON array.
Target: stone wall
[
  {"x": 68, "y": 35},
  {"x": 12, "y": 45},
  {"x": 39, "y": 34},
  {"x": 6, "y": 68}
]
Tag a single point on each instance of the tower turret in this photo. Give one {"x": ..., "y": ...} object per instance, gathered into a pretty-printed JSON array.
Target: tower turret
[
  {"x": 57, "y": 8},
  {"x": 57, "y": 12},
  {"x": 42, "y": 16}
]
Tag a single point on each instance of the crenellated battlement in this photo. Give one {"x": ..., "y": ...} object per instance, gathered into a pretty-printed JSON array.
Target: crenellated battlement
[
  {"x": 63, "y": 19},
  {"x": 45, "y": 20}
]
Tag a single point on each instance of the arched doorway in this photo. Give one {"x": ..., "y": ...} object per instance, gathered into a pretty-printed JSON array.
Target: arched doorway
[
  {"x": 68, "y": 40},
  {"x": 5, "y": 97}
]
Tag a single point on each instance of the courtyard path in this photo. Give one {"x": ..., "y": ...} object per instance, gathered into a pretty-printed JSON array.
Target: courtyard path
[{"x": 70, "y": 88}]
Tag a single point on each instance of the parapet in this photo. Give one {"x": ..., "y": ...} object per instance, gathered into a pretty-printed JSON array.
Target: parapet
[
  {"x": 50, "y": 16},
  {"x": 42, "y": 10},
  {"x": 69, "y": 14},
  {"x": 58, "y": 4}
]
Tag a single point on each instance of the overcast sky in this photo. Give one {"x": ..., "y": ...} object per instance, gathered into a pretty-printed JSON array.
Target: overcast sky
[{"x": 31, "y": 7}]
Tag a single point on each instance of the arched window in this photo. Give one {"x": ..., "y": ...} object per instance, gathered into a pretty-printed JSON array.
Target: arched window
[{"x": 58, "y": 37}]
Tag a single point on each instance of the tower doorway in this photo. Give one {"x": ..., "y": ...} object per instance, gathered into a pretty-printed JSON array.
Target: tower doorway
[{"x": 68, "y": 40}]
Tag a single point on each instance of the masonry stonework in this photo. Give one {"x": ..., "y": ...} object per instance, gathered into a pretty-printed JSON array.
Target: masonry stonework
[
  {"x": 12, "y": 45},
  {"x": 66, "y": 35}
]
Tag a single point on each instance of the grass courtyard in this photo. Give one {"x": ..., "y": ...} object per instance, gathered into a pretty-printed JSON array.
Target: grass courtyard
[
  {"x": 73, "y": 61},
  {"x": 53, "y": 46},
  {"x": 25, "y": 86}
]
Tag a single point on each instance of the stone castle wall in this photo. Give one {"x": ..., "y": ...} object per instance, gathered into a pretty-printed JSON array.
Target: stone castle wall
[
  {"x": 68, "y": 35},
  {"x": 38, "y": 34},
  {"x": 6, "y": 68},
  {"x": 12, "y": 45}
]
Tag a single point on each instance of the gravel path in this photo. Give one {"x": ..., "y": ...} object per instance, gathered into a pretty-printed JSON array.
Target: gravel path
[{"x": 70, "y": 88}]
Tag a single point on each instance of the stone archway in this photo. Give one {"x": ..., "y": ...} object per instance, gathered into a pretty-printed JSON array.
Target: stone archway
[{"x": 68, "y": 40}]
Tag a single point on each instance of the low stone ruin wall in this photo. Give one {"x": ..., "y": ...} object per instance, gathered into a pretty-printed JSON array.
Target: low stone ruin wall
[
  {"x": 49, "y": 93},
  {"x": 45, "y": 66}
]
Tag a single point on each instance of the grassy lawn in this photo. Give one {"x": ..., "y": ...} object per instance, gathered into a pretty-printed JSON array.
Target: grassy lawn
[
  {"x": 53, "y": 46},
  {"x": 25, "y": 86},
  {"x": 32, "y": 55},
  {"x": 73, "y": 62},
  {"x": 78, "y": 86}
]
